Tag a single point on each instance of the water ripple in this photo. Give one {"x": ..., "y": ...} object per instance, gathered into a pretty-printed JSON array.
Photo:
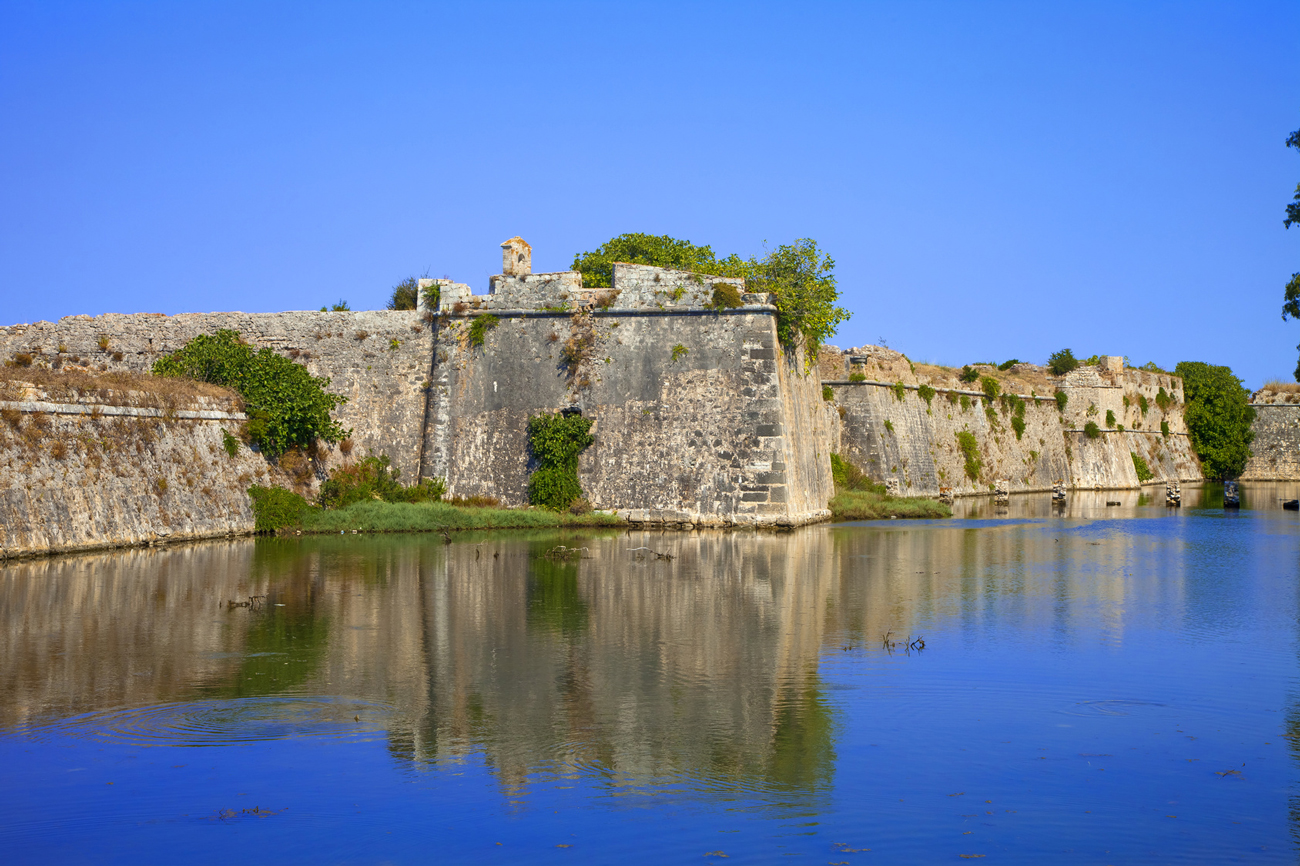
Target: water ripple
[{"x": 222, "y": 722}]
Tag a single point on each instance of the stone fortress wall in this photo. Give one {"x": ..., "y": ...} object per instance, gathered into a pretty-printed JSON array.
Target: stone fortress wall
[
  {"x": 915, "y": 441},
  {"x": 699, "y": 416},
  {"x": 1275, "y": 453}
]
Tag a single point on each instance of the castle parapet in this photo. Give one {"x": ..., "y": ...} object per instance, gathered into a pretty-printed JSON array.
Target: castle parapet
[{"x": 635, "y": 287}]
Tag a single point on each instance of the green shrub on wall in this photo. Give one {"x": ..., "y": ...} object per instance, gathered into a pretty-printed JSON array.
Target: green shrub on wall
[
  {"x": 1144, "y": 472},
  {"x": 479, "y": 327},
  {"x": 1018, "y": 425},
  {"x": 1061, "y": 399},
  {"x": 287, "y": 406},
  {"x": 1091, "y": 430},
  {"x": 926, "y": 393},
  {"x": 1110, "y": 418},
  {"x": 990, "y": 387},
  {"x": 971, "y": 452},
  {"x": 828, "y": 393},
  {"x": 900, "y": 391},
  {"x": 555, "y": 442}
]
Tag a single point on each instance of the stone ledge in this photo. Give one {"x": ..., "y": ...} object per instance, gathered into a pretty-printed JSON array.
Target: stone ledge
[{"x": 36, "y": 406}]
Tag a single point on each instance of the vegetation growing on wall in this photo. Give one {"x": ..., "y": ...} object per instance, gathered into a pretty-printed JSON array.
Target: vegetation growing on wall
[
  {"x": 479, "y": 327},
  {"x": 990, "y": 387},
  {"x": 969, "y": 374},
  {"x": 555, "y": 442},
  {"x": 1018, "y": 425},
  {"x": 1091, "y": 430},
  {"x": 828, "y": 393},
  {"x": 926, "y": 393},
  {"x": 799, "y": 274},
  {"x": 970, "y": 450},
  {"x": 1218, "y": 417},
  {"x": 900, "y": 391},
  {"x": 1163, "y": 400},
  {"x": 661, "y": 251},
  {"x": 1110, "y": 418},
  {"x": 287, "y": 406},
  {"x": 1144, "y": 472},
  {"x": 725, "y": 296},
  {"x": 1061, "y": 399}
]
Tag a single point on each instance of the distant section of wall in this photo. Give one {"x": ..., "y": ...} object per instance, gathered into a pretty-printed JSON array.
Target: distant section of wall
[
  {"x": 119, "y": 475},
  {"x": 1275, "y": 452},
  {"x": 699, "y": 416},
  {"x": 922, "y": 449},
  {"x": 379, "y": 360}
]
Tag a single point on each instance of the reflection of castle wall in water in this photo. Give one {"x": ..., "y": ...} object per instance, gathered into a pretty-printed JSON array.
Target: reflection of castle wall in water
[{"x": 635, "y": 668}]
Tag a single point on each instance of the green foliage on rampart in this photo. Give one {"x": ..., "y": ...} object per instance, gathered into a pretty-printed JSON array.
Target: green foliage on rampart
[
  {"x": 287, "y": 406},
  {"x": 479, "y": 327},
  {"x": 555, "y": 442},
  {"x": 970, "y": 450},
  {"x": 1144, "y": 472},
  {"x": 1218, "y": 417},
  {"x": 800, "y": 275}
]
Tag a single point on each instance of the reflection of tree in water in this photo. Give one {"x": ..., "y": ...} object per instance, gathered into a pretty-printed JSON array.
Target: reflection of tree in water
[
  {"x": 287, "y": 632},
  {"x": 554, "y": 601}
]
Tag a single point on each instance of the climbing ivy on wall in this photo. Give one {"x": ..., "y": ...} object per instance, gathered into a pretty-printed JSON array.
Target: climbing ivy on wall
[
  {"x": 555, "y": 441},
  {"x": 287, "y": 407}
]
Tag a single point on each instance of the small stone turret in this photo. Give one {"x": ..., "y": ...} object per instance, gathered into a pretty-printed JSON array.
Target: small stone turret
[{"x": 516, "y": 257}]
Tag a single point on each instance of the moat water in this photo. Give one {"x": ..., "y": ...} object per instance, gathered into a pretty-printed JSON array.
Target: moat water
[{"x": 1099, "y": 684}]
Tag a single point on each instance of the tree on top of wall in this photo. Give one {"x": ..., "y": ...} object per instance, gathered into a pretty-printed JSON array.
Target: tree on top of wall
[{"x": 800, "y": 275}]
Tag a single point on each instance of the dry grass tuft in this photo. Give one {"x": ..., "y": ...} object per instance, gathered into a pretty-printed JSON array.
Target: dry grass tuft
[{"x": 112, "y": 389}]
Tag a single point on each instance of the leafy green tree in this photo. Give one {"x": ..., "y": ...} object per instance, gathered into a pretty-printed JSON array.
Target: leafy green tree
[
  {"x": 287, "y": 406},
  {"x": 1291, "y": 298},
  {"x": 1218, "y": 415},
  {"x": 803, "y": 280},
  {"x": 405, "y": 295},
  {"x": 799, "y": 274},
  {"x": 1062, "y": 362}
]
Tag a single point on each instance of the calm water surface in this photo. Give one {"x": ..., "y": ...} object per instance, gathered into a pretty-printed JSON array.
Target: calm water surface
[{"x": 1106, "y": 684}]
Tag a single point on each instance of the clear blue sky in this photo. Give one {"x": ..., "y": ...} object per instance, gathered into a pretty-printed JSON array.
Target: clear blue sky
[{"x": 994, "y": 180}]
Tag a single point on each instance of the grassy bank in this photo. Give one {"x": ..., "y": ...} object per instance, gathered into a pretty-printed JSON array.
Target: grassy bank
[
  {"x": 377, "y": 516},
  {"x": 870, "y": 505},
  {"x": 857, "y": 497}
]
